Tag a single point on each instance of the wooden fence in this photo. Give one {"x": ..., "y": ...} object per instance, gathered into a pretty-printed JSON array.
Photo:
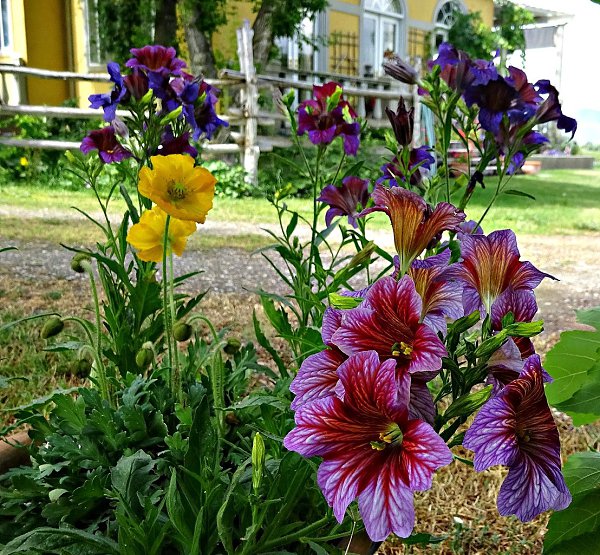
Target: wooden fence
[{"x": 369, "y": 97}]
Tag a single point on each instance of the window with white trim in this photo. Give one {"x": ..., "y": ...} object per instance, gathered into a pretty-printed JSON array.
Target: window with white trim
[
  {"x": 444, "y": 19},
  {"x": 5, "y": 27},
  {"x": 94, "y": 48},
  {"x": 383, "y": 33}
]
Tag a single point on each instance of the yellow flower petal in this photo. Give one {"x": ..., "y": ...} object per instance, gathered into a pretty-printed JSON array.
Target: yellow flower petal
[{"x": 179, "y": 188}]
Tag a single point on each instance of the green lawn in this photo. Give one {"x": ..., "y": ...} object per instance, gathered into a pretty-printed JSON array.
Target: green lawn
[{"x": 567, "y": 201}]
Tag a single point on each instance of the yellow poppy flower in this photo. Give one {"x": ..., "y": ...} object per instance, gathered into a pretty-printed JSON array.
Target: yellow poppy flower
[
  {"x": 147, "y": 236},
  {"x": 180, "y": 189}
]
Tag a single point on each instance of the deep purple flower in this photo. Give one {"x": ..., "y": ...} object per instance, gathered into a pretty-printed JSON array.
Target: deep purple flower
[
  {"x": 483, "y": 72},
  {"x": 388, "y": 321},
  {"x": 442, "y": 297},
  {"x": 328, "y": 116},
  {"x": 470, "y": 227},
  {"x": 415, "y": 223},
  {"x": 550, "y": 109},
  {"x": 199, "y": 109},
  {"x": 371, "y": 449},
  {"x": 491, "y": 265},
  {"x": 516, "y": 429},
  {"x": 402, "y": 121},
  {"x": 346, "y": 200},
  {"x": 110, "y": 101},
  {"x": 395, "y": 173},
  {"x": 136, "y": 84},
  {"x": 105, "y": 142},
  {"x": 170, "y": 144},
  {"x": 156, "y": 58},
  {"x": 495, "y": 99}
]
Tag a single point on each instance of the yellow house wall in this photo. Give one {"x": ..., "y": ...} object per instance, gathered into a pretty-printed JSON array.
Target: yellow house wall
[
  {"x": 225, "y": 39},
  {"x": 12, "y": 87},
  {"x": 344, "y": 23},
  {"x": 80, "y": 57},
  {"x": 47, "y": 44},
  {"x": 485, "y": 7},
  {"x": 424, "y": 10}
]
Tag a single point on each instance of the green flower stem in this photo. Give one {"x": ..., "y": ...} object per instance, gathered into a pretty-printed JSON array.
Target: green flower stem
[
  {"x": 176, "y": 370},
  {"x": 283, "y": 540},
  {"x": 313, "y": 230},
  {"x": 168, "y": 332}
]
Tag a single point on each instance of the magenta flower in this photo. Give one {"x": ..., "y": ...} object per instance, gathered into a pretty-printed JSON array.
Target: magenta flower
[
  {"x": 347, "y": 200},
  {"x": 490, "y": 266},
  {"x": 317, "y": 376},
  {"x": 371, "y": 449},
  {"x": 442, "y": 297},
  {"x": 415, "y": 224},
  {"x": 156, "y": 58},
  {"x": 105, "y": 142},
  {"x": 328, "y": 116},
  {"x": 516, "y": 429},
  {"x": 388, "y": 321}
]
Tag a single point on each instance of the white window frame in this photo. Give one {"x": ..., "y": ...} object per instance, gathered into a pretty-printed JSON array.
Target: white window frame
[
  {"x": 441, "y": 28},
  {"x": 7, "y": 37},
  {"x": 379, "y": 12}
]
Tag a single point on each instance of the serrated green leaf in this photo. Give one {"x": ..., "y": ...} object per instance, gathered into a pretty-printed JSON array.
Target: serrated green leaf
[
  {"x": 132, "y": 476},
  {"x": 60, "y": 541}
]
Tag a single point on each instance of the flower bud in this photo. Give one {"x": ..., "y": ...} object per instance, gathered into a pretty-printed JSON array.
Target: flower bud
[
  {"x": 145, "y": 100},
  {"x": 401, "y": 71},
  {"x": 233, "y": 346},
  {"x": 182, "y": 331},
  {"x": 258, "y": 460},
  {"x": 172, "y": 116},
  {"x": 53, "y": 326},
  {"x": 70, "y": 156},
  {"x": 78, "y": 262},
  {"x": 145, "y": 355},
  {"x": 82, "y": 368}
]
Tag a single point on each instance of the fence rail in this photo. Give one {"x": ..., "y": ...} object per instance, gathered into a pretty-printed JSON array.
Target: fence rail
[{"x": 368, "y": 95}]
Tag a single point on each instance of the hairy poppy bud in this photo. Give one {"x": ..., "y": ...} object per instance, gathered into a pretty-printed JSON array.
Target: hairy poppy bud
[
  {"x": 233, "y": 346},
  {"x": 182, "y": 332},
  {"x": 144, "y": 356},
  {"x": 52, "y": 327},
  {"x": 82, "y": 368},
  {"x": 78, "y": 262}
]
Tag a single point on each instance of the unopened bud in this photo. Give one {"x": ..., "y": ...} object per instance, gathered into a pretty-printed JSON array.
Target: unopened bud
[
  {"x": 172, "y": 116},
  {"x": 182, "y": 332},
  {"x": 82, "y": 368},
  {"x": 69, "y": 156},
  {"x": 233, "y": 346},
  {"x": 258, "y": 461},
  {"x": 145, "y": 100},
  {"x": 53, "y": 326},
  {"x": 363, "y": 255},
  {"x": 78, "y": 262},
  {"x": 145, "y": 355}
]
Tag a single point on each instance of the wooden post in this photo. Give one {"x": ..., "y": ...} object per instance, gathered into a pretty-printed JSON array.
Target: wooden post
[{"x": 249, "y": 98}]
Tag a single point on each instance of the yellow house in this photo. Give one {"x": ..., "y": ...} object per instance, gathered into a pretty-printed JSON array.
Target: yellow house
[{"x": 354, "y": 36}]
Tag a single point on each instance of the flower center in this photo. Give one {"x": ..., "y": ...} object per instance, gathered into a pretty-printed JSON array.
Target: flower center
[
  {"x": 176, "y": 190},
  {"x": 393, "y": 435},
  {"x": 523, "y": 435},
  {"x": 401, "y": 349}
]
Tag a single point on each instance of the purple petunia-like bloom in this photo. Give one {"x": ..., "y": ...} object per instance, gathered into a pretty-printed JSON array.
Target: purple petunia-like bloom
[
  {"x": 388, "y": 321},
  {"x": 491, "y": 267},
  {"x": 420, "y": 161},
  {"x": 550, "y": 108},
  {"x": 156, "y": 58},
  {"x": 346, "y": 200},
  {"x": 328, "y": 116},
  {"x": 414, "y": 222},
  {"x": 317, "y": 376},
  {"x": 170, "y": 144},
  {"x": 371, "y": 448},
  {"x": 105, "y": 142},
  {"x": 200, "y": 111},
  {"x": 109, "y": 101},
  {"x": 516, "y": 429}
]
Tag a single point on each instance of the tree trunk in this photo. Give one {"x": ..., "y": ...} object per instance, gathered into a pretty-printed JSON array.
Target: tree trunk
[
  {"x": 263, "y": 34},
  {"x": 165, "y": 23},
  {"x": 202, "y": 58}
]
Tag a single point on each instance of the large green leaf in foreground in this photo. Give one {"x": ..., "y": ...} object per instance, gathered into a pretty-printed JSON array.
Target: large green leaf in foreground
[
  {"x": 576, "y": 530},
  {"x": 574, "y": 363}
]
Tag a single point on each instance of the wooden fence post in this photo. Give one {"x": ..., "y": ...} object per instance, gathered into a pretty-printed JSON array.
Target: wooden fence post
[{"x": 249, "y": 98}]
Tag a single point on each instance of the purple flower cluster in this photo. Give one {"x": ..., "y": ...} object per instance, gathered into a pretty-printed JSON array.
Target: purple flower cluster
[
  {"x": 157, "y": 69},
  {"x": 509, "y": 106},
  {"x": 327, "y": 116},
  {"x": 363, "y": 404}
]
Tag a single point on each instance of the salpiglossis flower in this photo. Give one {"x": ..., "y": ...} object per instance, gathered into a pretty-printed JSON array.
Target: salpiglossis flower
[
  {"x": 105, "y": 142},
  {"x": 371, "y": 448},
  {"x": 148, "y": 235},
  {"x": 346, "y": 200},
  {"x": 180, "y": 189},
  {"x": 515, "y": 428},
  {"x": 415, "y": 224}
]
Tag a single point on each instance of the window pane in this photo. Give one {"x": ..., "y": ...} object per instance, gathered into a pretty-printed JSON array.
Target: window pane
[
  {"x": 389, "y": 37},
  {"x": 5, "y": 24}
]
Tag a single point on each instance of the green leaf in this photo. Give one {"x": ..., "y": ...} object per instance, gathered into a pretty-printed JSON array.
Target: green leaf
[
  {"x": 61, "y": 541},
  {"x": 256, "y": 400},
  {"x": 131, "y": 478},
  {"x": 573, "y": 363},
  {"x": 66, "y": 346},
  {"x": 344, "y": 302},
  {"x": 265, "y": 344},
  {"x": 423, "y": 539},
  {"x": 202, "y": 452},
  {"x": 518, "y": 193}
]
